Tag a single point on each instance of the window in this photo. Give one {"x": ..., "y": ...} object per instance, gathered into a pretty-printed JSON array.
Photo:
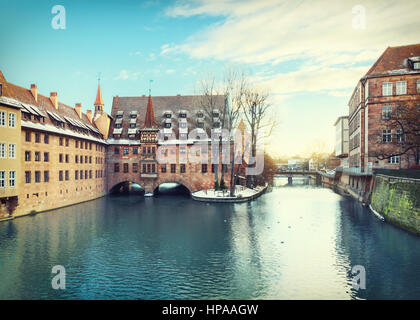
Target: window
[
  {"x": 2, "y": 150},
  {"x": 144, "y": 168},
  {"x": 167, "y": 125},
  {"x": 60, "y": 175},
  {"x": 67, "y": 158},
  {"x": 37, "y": 176},
  {"x": 27, "y": 136},
  {"x": 46, "y": 176},
  {"x": 76, "y": 175},
  {"x": 27, "y": 177},
  {"x": 60, "y": 157},
  {"x": 116, "y": 167},
  {"x": 86, "y": 174},
  {"x": 216, "y": 124},
  {"x": 183, "y": 125},
  {"x": 204, "y": 168},
  {"x": 66, "y": 174},
  {"x": 183, "y": 115},
  {"x": 116, "y": 150},
  {"x": 135, "y": 150},
  {"x": 81, "y": 159},
  {"x": 213, "y": 168},
  {"x": 182, "y": 168},
  {"x": 12, "y": 151},
  {"x": 12, "y": 179},
  {"x": 386, "y": 112},
  {"x": 132, "y": 125},
  {"x": 67, "y": 142},
  {"x": 81, "y": 174},
  {"x": 200, "y": 115},
  {"x": 2, "y": 119},
  {"x": 399, "y": 135},
  {"x": 60, "y": 141},
  {"x": 37, "y": 137},
  {"x": 76, "y": 158},
  {"x": 173, "y": 168},
  {"x": 394, "y": 159},
  {"x": 163, "y": 168},
  {"x": 46, "y": 156},
  {"x": 386, "y": 136},
  {"x": 401, "y": 87},
  {"x": 86, "y": 159},
  {"x": 387, "y": 89},
  {"x": 46, "y": 139},
  {"x": 77, "y": 143},
  {"x": 135, "y": 167},
  {"x": 2, "y": 179},
  {"x": 90, "y": 159},
  {"x": 126, "y": 150},
  {"x": 27, "y": 156},
  {"x": 416, "y": 65},
  {"x": 215, "y": 114},
  {"x": 168, "y": 115},
  {"x": 12, "y": 120},
  {"x": 37, "y": 156},
  {"x": 125, "y": 167},
  {"x": 81, "y": 144}
]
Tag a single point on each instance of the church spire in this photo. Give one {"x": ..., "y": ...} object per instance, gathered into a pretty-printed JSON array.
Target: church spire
[
  {"x": 99, "y": 103},
  {"x": 149, "y": 121}
]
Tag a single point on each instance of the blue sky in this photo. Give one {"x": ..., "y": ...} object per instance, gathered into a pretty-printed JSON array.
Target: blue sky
[{"x": 306, "y": 53}]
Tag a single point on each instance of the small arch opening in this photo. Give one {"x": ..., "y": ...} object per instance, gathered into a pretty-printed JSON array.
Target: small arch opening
[
  {"x": 127, "y": 188},
  {"x": 172, "y": 189}
]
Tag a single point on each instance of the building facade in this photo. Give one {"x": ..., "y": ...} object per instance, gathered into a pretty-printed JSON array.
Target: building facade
[
  {"x": 60, "y": 151},
  {"x": 394, "y": 80},
  {"x": 342, "y": 140},
  {"x": 10, "y": 153},
  {"x": 165, "y": 140}
]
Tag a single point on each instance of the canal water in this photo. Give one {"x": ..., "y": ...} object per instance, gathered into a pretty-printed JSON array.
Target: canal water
[{"x": 296, "y": 242}]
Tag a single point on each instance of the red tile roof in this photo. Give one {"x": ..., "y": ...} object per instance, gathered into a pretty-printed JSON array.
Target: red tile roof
[
  {"x": 44, "y": 103},
  {"x": 394, "y": 59}
]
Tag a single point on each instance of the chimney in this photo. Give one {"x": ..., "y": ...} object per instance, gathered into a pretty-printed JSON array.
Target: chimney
[
  {"x": 78, "y": 109},
  {"x": 89, "y": 115},
  {"x": 54, "y": 99},
  {"x": 34, "y": 90}
]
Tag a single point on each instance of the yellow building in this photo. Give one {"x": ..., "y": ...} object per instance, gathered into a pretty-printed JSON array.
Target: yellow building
[{"x": 10, "y": 137}]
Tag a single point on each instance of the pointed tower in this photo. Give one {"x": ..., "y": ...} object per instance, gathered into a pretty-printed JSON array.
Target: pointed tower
[
  {"x": 148, "y": 140},
  {"x": 99, "y": 103}
]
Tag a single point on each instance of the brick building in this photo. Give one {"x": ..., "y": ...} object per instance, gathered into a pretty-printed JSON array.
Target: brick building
[
  {"x": 60, "y": 151},
  {"x": 144, "y": 130},
  {"x": 393, "y": 80},
  {"x": 342, "y": 140}
]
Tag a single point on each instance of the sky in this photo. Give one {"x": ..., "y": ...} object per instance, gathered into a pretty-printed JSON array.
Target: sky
[{"x": 308, "y": 54}]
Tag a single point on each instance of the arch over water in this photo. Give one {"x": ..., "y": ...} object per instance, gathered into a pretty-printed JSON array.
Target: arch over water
[
  {"x": 172, "y": 188},
  {"x": 127, "y": 187}
]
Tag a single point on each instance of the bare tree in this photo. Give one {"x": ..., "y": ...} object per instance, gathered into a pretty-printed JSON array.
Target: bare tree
[
  {"x": 256, "y": 111},
  {"x": 404, "y": 121}
]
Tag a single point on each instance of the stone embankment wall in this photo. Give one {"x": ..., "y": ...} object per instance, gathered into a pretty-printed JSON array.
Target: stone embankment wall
[{"x": 398, "y": 200}]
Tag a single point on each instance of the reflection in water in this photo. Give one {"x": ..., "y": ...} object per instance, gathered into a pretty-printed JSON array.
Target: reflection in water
[{"x": 298, "y": 241}]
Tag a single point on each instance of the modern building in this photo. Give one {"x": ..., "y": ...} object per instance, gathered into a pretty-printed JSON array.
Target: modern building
[
  {"x": 174, "y": 128},
  {"x": 342, "y": 140},
  {"x": 392, "y": 81},
  {"x": 59, "y": 156}
]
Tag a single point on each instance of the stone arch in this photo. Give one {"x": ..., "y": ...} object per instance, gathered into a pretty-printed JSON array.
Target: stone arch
[
  {"x": 123, "y": 185},
  {"x": 181, "y": 182}
]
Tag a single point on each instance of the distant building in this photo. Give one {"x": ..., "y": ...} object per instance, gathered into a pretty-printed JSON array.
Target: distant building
[
  {"x": 342, "y": 140},
  {"x": 295, "y": 164},
  {"x": 392, "y": 80},
  {"x": 312, "y": 165}
]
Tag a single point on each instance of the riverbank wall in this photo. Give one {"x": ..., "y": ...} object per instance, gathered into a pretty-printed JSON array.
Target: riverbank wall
[{"x": 398, "y": 201}]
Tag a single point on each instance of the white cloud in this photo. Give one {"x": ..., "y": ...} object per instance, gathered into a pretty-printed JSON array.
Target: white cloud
[
  {"x": 127, "y": 75},
  {"x": 170, "y": 71},
  {"x": 319, "y": 33}
]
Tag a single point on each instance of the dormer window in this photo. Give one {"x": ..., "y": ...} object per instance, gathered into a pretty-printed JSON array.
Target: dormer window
[
  {"x": 183, "y": 114},
  {"x": 200, "y": 114},
  {"x": 414, "y": 62},
  {"x": 182, "y": 125},
  {"x": 119, "y": 114},
  {"x": 215, "y": 113},
  {"x": 200, "y": 125},
  {"x": 133, "y": 114},
  {"x": 416, "y": 66},
  {"x": 168, "y": 125},
  {"x": 167, "y": 114},
  {"x": 118, "y": 125},
  {"x": 132, "y": 125},
  {"x": 216, "y": 124}
]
